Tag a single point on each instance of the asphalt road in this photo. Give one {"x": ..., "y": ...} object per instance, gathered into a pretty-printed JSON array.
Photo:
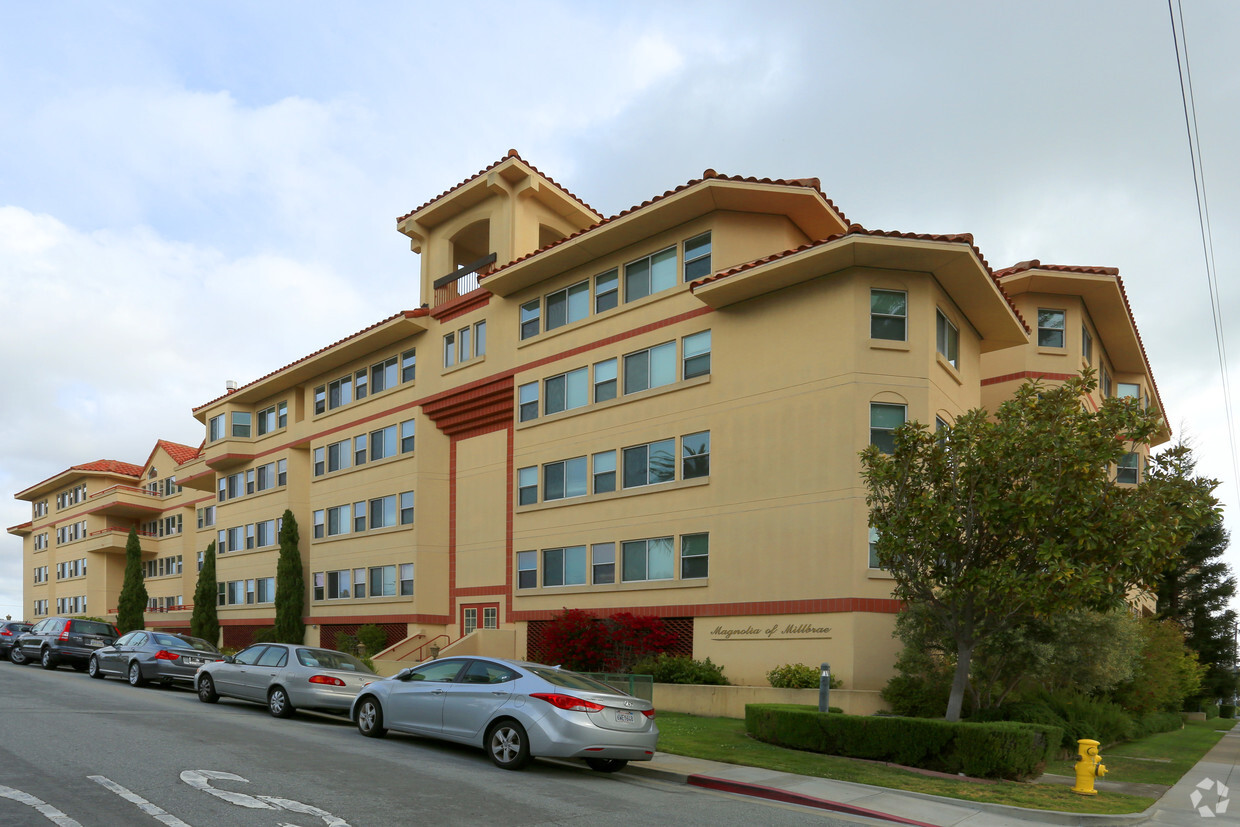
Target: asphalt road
[{"x": 76, "y": 751}]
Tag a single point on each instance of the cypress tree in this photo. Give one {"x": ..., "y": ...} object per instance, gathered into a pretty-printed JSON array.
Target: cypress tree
[
  {"x": 132, "y": 602},
  {"x": 205, "y": 622},
  {"x": 290, "y": 585}
]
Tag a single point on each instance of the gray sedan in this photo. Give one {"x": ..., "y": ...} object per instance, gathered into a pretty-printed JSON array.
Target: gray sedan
[
  {"x": 514, "y": 710},
  {"x": 286, "y": 677},
  {"x": 152, "y": 656}
]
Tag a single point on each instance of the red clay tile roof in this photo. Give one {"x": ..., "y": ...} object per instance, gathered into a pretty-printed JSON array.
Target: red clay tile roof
[
  {"x": 1034, "y": 264},
  {"x": 110, "y": 466},
  {"x": 180, "y": 454},
  {"x": 808, "y": 183},
  {"x": 408, "y": 314},
  {"x": 857, "y": 229},
  {"x": 512, "y": 153}
]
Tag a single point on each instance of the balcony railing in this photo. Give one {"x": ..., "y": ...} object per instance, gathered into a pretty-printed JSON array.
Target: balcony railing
[{"x": 461, "y": 281}]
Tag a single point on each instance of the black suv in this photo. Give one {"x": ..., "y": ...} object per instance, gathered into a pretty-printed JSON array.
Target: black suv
[
  {"x": 58, "y": 640},
  {"x": 10, "y": 630}
]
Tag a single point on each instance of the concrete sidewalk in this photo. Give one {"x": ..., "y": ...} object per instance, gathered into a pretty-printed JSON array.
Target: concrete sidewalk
[{"x": 1177, "y": 807}]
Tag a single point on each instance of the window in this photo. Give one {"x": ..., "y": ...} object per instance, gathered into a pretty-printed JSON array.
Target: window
[
  {"x": 695, "y": 455},
  {"x": 1129, "y": 470},
  {"x": 383, "y": 443},
  {"x": 1106, "y": 383},
  {"x": 406, "y": 508},
  {"x": 236, "y": 540},
  {"x": 884, "y": 419},
  {"x": 383, "y": 512},
  {"x": 697, "y": 354},
  {"x": 406, "y": 579},
  {"x": 566, "y": 391},
  {"x": 572, "y": 304},
  {"x": 531, "y": 315},
  {"x": 694, "y": 556},
  {"x": 249, "y": 481},
  {"x": 383, "y": 375},
  {"x": 889, "y": 315},
  {"x": 359, "y": 449},
  {"x": 360, "y": 385},
  {"x": 604, "y": 380},
  {"x": 1128, "y": 390},
  {"x": 266, "y": 476},
  {"x": 383, "y": 581},
  {"x": 320, "y": 399},
  {"x": 527, "y": 402},
  {"x": 406, "y": 435},
  {"x": 604, "y": 472},
  {"x": 236, "y": 592},
  {"x": 281, "y": 471},
  {"x": 449, "y": 350},
  {"x": 648, "y": 559},
  {"x": 947, "y": 340},
  {"x": 606, "y": 290},
  {"x": 527, "y": 485},
  {"x": 273, "y": 418},
  {"x": 215, "y": 428},
  {"x": 603, "y": 563},
  {"x": 650, "y": 368},
  {"x": 650, "y": 464},
  {"x": 359, "y": 516},
  {"x": 527, "y": 569},
  {"x": 697, "y": 257},
  {"x": 650, "y": 274},
  {"x": 240, "y": 424},
  {"x": 564, "y": 566},
  {"x": 340, "y": 393},
  {"x": 1087, "y": 346},
  {"x": 339, "y": 584},
  {"x": 266, "y": 590},
  {"x": 564, "y": 479},
  {"x": 338, "y": 520},
  {"x": 1050, "y": 328},
  {"x": 339, "y": 455},
  {"x": 266, "y": 533},
  {"x": 874, "y": 564}
]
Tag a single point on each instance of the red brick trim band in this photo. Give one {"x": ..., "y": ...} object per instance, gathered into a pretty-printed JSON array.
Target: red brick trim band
[{"x": 1027, "y": 374}]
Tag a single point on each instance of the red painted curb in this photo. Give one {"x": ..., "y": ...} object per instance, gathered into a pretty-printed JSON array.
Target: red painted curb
[{"x": 793, "y": 798}]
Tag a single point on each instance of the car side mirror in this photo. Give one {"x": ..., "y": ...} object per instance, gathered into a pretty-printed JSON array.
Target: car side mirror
[{"x": 228, "y": 659}]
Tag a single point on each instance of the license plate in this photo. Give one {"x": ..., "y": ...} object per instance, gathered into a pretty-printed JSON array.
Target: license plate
[
  {"x": 624, "y": 717},
  {"x": 194, "y": 661},
  {"x": 95, "y": 643}
]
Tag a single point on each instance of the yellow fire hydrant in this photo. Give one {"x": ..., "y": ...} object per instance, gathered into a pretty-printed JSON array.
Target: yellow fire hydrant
[{"x": 1089, "y": 767}]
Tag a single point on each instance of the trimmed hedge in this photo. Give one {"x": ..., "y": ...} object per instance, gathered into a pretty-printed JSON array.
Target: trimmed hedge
[{"x": 991, "y": 750}]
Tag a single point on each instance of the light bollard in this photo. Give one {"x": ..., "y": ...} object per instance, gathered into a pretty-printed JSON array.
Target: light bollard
[{"x": 824, "y": 688}]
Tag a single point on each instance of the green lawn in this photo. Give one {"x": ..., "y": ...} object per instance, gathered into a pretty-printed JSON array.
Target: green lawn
[{"x": 725, "y": 739}]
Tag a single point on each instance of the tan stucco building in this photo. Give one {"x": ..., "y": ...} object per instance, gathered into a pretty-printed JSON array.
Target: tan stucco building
[{"x": 656, "y": 412}]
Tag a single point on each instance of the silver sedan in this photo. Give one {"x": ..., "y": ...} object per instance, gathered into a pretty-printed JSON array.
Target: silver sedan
[
  {"x": 516, "y": 711},
  {"x": 286, "y": 677},
  {"x": 143, "y": 656}
]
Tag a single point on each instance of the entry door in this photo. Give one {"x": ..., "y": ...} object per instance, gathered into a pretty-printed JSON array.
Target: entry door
[{"x": 479, "y": 616}]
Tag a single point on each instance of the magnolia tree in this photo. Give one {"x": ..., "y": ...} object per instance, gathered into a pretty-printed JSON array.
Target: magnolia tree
[{"x": 1017, "y": 516}]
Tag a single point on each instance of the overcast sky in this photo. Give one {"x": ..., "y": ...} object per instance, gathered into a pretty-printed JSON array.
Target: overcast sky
[{"x": 192, "y": 193}]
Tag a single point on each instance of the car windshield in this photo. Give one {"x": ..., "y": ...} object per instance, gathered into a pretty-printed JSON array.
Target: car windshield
[
  {"x": 571, "y": 680},
  {"x": 330, "y": 659},
  {"x": 91, "y": 627}
]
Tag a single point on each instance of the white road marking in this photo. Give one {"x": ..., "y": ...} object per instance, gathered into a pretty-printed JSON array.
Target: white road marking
[
  {"x": 47, "y": 810},
  {"x": 145, "y": 806},
  {"x": 201, "y": 780}
]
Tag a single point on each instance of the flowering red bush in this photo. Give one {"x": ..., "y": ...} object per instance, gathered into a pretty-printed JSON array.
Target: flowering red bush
[{"x": 583, "y": 642}]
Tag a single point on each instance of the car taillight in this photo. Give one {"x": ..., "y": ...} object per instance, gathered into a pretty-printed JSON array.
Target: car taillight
[
  {"x": 6, "y": 633},
  {"x": 327, "y": 679},
  {"x": 567, "y": 702},
  {"x": 649, "y": 713},
  {"x": 164, "y": 654},
  {"x": 65, "y": 634}
]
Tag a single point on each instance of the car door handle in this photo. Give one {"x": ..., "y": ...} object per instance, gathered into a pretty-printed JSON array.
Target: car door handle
[
  {"x": 497, "y": 692},
  {"x": 436, "y": 691}
]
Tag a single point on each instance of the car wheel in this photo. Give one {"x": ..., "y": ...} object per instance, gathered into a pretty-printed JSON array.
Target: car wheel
[
  {"x": 370, "y": 719},
  {"x": 135, "y": 675},
  {"x": 47, "y": 660},
  {"x": 279, "y": 704},
  {"x": 93, "y": 669},
  {"x": 606, "y": 764},
  {"x": 17, "y": 656},
  {"x": 206, "y": 690},
  {"x": 508, "y": 745}
]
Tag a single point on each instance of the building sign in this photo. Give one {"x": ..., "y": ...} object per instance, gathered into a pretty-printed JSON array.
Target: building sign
[{"x": 772, "y": 631}]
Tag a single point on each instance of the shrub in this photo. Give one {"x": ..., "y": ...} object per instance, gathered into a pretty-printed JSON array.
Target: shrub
[
  {"x": 1227, "y": 711},
  {"x": 991, "y": 750},
  {"x": 1078, "y": 716},
  {"x": 665, "y": 668},
  {"x": 798, "y": 676},
  {"x": 372, "y": 638},
  {"x": 577, "y": 640},
  {"x": 917, "y": 697}
]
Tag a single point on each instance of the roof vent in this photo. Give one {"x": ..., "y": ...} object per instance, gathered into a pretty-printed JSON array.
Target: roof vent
[{"x": 230, "y": 386}]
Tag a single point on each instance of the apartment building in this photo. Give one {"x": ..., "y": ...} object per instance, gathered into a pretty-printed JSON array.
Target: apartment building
[{"x": 656, "y": 412}]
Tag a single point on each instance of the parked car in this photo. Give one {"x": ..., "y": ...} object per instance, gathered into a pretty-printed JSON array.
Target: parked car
[
  {"x": 146, "y": 656},
  {"x": 56, "y": 640},
  {"x": 10, "y": 630},
  {"x": 516, "y": 711},
  {"x": 286, "y": 677}
]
